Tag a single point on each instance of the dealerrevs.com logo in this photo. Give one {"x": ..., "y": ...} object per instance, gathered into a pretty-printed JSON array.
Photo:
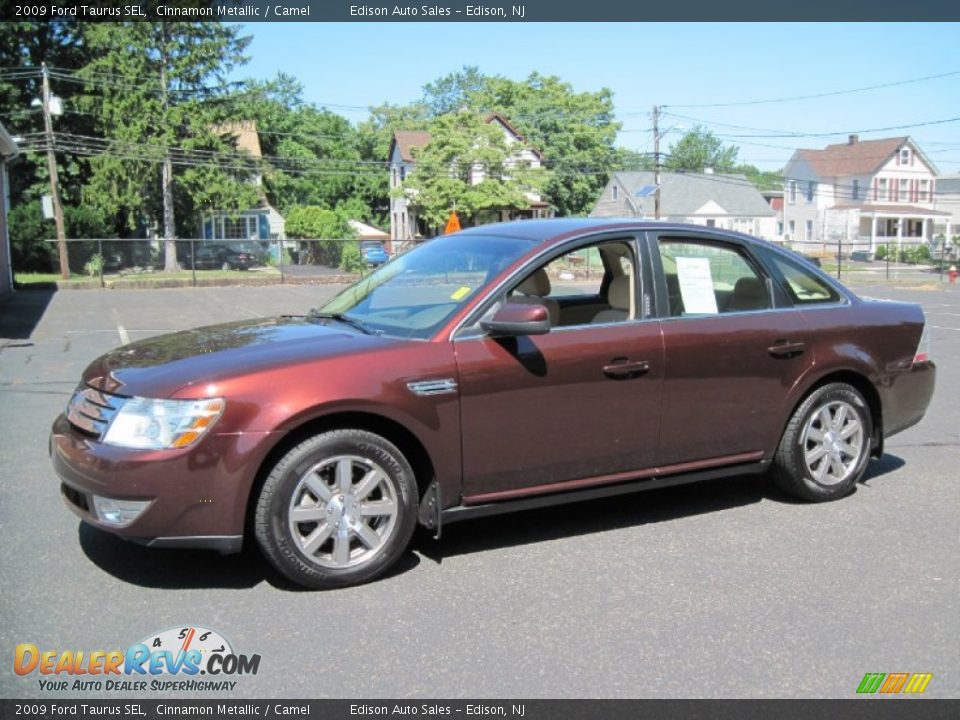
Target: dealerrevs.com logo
[{"x": 171, "y": 660}]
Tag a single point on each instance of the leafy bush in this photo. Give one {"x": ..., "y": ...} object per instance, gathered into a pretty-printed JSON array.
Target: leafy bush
[
  {"x": 881, "y": 252},
  {"x": 94, "y": 266},
  {"x": 351, "y": 259},
  {"x": 327, "y": 229},
  {"x": 919, "y": 254},
  {"x": 32, "y": 245},
  {"x": 28, "y": 246}
]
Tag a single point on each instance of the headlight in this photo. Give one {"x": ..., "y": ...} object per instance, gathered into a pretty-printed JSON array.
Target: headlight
[{"x": 159, "y": 424}]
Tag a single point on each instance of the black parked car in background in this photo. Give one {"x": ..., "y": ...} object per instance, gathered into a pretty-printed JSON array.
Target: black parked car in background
[{"x": 239, "y": 256}]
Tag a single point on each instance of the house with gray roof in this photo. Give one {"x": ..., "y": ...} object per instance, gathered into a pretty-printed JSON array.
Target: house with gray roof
[
  {"x": 716, "y": 200},
  {"x": 8, "y": 151}
]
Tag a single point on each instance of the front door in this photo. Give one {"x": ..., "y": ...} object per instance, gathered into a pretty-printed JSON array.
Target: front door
[{"x": 579, "y": 405}]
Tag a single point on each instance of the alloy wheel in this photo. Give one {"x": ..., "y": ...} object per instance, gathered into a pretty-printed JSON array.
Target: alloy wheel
[
  {"x": 342, "y": 511},
  {"x": 833, "y": 442}
]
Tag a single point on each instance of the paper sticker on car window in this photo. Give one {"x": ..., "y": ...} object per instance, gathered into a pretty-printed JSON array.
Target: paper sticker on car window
[
  {"x": 696, "y": 286},
  {"x": 460, "y": 293}
]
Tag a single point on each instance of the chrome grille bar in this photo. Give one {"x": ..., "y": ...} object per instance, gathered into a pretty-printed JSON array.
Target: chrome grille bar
[{"x": 91, "y": 410}]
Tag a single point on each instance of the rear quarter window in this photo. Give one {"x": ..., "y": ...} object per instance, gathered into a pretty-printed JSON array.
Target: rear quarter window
[{"x": 802, "y": 284}]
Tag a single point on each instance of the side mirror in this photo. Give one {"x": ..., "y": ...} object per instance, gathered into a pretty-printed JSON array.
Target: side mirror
[{"x": 514, "y": 319}]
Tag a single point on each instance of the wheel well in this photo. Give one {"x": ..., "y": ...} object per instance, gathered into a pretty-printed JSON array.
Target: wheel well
[
  {"x": 408, "y": 444},
  {"x": 870, "y": 394}
]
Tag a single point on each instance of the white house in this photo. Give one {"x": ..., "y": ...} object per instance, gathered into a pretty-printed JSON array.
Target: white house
[
  {"x": 730, "y": 202},
  {"x": 8, "y": 150},
  {"x": 861, "y": 194},
  {"x": 947, "y": 199},
  {"x": 404, "y": 224}
]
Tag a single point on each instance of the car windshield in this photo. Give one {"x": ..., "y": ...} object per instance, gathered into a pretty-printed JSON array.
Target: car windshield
[{"x": 417, "y": 292}]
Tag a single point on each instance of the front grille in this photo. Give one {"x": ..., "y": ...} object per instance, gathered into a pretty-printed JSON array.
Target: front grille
[{"x": 91, "y": 410}]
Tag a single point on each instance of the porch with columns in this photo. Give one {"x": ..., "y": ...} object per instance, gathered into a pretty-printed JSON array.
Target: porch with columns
[{"x": 899, "y": 226}]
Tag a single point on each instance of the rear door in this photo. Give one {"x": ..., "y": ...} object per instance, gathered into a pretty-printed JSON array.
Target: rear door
[{"x": 733, "y": 346}]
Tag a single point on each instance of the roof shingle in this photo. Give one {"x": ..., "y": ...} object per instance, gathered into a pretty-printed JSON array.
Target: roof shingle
[{"x": 858, "y": 158}]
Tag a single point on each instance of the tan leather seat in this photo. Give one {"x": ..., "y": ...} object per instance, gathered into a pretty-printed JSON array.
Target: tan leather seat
[
  {"x": 618, "y": 296},
  {"x": 748, "y": 294},
  {"x": 535, "y": 290}
]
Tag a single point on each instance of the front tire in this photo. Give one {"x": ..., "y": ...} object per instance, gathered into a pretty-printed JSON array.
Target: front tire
[
  {"x": 338, "y": 509},
  {"x": 825, "y": 448}
]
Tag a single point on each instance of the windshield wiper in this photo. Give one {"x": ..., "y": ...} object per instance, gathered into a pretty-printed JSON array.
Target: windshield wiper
[{"x": 346, "y": 320}]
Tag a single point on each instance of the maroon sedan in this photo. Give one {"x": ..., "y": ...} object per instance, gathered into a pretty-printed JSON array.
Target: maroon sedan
[{"x": 500, "y": 368}]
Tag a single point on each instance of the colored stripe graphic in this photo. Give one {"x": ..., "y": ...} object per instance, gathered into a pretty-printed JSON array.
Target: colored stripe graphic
[
  {"x": 871, "y": 682},
  {"x": 918, "y": 682},
  {"x": 893, "y": 683}
]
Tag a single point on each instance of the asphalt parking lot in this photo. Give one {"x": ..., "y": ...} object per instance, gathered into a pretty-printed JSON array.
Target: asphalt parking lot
[{"x": 726, "y": 589}]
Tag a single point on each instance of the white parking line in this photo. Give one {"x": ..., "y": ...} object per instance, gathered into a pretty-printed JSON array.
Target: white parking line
[
  {"x": 941, "y": 327},
  {"x": 121, "y": 330}
]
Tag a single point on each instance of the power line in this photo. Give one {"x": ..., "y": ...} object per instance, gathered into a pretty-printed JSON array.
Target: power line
[{"x": 795, "y": 98}]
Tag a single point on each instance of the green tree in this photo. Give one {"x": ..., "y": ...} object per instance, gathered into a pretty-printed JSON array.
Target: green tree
[
  {"x": 24, "y": 47},
  {"x": 311, "y": 155},
  {"x": 453, "y": 92},
  {"x": 761, "y": 179},
  {"x": 467, "y": 166},
  {"x": 150, "y": 86},
  {"x": 700, "y": 149},
  {"x": 576, "y": 132}
]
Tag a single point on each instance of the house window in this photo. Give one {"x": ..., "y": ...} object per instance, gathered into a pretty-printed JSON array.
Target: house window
[
  {"x": 779, "y": 228},
  {"x": 884, "y": 190},
  {"x": 811, "y": 190},
  {"x": 808, "y": 231},
  {"x": 793, "y": 229},
  {"x": 905, "y": 156},
  {"x": 856, "y": 189},
  {"x": 924, "y": 190},
  {"x": 792, "y": 195},
  {"x": 403, "y": 173},
  {"x": 616, "y": 193},
  {"x": 238, "y": 228}
]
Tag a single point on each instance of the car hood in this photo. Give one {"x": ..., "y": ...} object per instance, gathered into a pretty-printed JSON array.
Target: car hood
[{"x": 160, "y": 366}]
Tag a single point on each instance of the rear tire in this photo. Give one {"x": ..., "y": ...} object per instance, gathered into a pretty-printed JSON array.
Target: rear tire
[
  {"x": 825, "y": 448},
  {"x": 338, "y": 509}
]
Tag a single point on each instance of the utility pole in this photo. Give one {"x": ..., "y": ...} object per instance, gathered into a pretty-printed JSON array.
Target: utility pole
[
  {"x": 656, "y": 161},
  {"x": 169, "y": 225},
  {"x": 54, "y": 179}
]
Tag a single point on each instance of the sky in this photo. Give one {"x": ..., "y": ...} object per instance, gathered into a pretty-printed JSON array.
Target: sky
[{"x": 348, "y": 67}]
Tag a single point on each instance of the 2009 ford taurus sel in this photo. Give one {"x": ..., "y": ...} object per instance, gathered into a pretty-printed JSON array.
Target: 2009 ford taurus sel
[{"x": 499, "y": 368}]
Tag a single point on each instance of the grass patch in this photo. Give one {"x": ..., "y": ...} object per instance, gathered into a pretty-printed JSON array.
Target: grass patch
[
  {"x": 188, "y": 275},
  {"x": 45, "y": 278}
]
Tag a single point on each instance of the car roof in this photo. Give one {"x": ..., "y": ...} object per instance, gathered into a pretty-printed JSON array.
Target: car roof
[{"x": 553, "y": 229}]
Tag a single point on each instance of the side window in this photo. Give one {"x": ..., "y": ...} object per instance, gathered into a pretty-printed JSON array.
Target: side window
[
  {"x": 708, "y": 279},
  {"x": 803, "y": 286},
  {"x": 589, "y": 285}
]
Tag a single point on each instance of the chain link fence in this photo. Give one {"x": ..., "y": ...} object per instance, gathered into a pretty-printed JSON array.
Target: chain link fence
[
  {"x": 889, "y": 259},
  {"x": 197, "y": 262}
]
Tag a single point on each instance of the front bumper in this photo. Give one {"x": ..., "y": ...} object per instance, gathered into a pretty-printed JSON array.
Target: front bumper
[{"x": 195, "y": 497}]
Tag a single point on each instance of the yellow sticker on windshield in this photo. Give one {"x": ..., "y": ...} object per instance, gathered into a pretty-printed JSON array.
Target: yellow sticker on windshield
[{"x": 460, "y": 293}]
